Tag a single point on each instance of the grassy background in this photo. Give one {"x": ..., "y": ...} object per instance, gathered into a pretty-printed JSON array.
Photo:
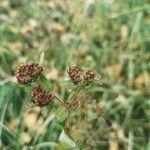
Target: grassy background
[{"x": 111, "y": 37}]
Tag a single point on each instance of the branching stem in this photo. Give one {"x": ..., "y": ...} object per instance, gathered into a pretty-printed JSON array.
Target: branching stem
[{"x": 62, "y": 103}]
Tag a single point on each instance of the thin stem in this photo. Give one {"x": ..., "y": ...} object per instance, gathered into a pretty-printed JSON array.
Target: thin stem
[
  {"x": 58, "y": 99},
  {"x": 68, "y": 120}
]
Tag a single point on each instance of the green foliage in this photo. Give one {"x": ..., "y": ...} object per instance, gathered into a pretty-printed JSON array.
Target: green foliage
[
  {"x": 61, "y": 114},
  {"x": 46, "y": 84}
]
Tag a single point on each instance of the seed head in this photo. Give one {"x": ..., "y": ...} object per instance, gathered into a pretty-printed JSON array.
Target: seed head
[
  {"x": 26, "y": 73},
  {"x": 41, "y": 97}
]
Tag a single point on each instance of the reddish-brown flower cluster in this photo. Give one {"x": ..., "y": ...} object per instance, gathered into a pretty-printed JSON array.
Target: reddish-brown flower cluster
[
  {"x": 41, "y": 97},
  {"x": 90, "y": 75},
  {"x": 75, "y": 73},
  {"x": 26, "y": 73},
  {"x": 79, "y": 102}
]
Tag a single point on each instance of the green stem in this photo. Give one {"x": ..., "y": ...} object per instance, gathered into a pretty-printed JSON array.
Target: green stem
[{"x": 68, "y": 121}]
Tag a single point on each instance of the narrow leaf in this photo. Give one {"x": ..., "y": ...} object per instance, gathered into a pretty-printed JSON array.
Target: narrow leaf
[
  {"x": 41, "y": 58},
  {"x": 63, "y": 138},
  {"x": 46, "y": 84}
]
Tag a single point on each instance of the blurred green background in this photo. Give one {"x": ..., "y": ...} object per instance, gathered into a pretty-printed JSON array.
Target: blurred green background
[{"x": 110, "y": 36}]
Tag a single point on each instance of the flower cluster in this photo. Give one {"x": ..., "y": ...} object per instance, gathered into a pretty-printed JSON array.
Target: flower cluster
[
  {"x": 90, "y": 75},
  {"x": 80, "y": 102},
  {"x": 27, "y": 73},
  {"x": 41, "y": 97},
  {"x": 76, "y": 74}
]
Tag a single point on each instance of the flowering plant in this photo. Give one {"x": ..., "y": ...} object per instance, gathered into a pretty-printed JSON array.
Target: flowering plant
[{"x": 42, "y": 90}]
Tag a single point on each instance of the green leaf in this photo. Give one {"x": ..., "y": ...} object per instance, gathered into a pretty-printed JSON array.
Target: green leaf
[
  {"x": 64, "y": 138},
  {"x": 17, "y": 85},
  {"x": 41, "y": 59},
  {"x": 61, "y": 146},
  {"x": 61, "y": 114},
  {"x": 148, "y": 145},
  {"x": 28, "y": 89},
  {"x": 46, "y": 84},
  {"x": 46, "y": 145},
  {"x": 45, "y": 111}
]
